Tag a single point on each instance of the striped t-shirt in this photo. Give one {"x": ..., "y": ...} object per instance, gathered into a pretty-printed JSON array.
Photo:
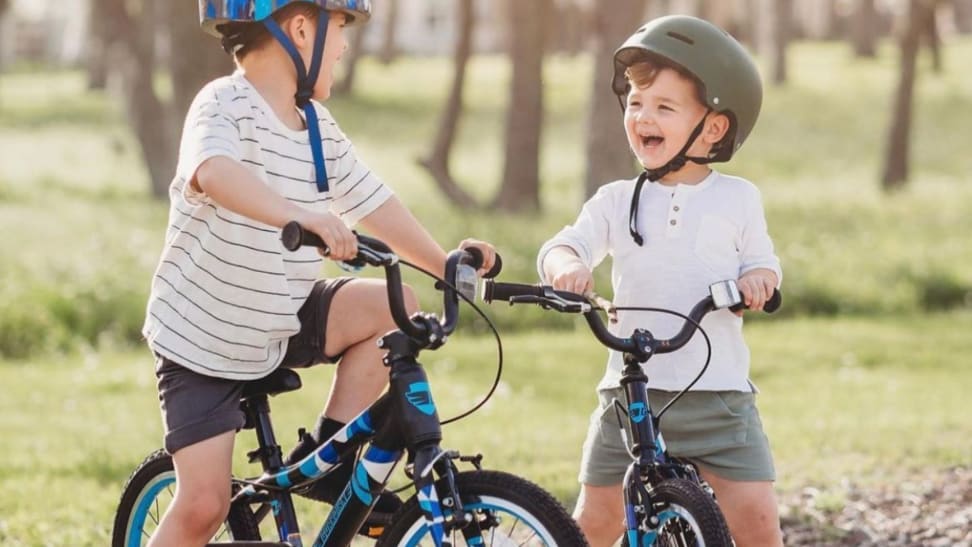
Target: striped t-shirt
[{"x": 225, "y": 296}]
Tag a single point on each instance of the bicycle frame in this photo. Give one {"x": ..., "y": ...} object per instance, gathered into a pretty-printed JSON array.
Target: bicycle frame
[{"x": 404, "y": 418}]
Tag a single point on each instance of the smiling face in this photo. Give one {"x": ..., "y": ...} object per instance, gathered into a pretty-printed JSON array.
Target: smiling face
[{"x": 662, "y": 110}]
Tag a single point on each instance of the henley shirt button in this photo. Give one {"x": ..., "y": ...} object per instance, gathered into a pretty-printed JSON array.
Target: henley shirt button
[
  {"x": 675, "y": 208},
  {"x": 673, "y": 222}
]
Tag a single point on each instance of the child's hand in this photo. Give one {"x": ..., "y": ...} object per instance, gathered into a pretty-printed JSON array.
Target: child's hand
[
  {"x": 488, "y": 251},
  {"x": 574, "y": 277},
  {"x": 756, "y": 287},
  {"x": 340, "y": 240}
]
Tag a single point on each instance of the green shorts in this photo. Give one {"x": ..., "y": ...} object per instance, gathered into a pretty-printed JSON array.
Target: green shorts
[{"x": 718, "y": 430}]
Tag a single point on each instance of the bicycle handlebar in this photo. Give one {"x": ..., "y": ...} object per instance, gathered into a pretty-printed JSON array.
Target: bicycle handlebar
[
  {"x": 375, "y": 252},
  {"x": 639, "y": 345}
]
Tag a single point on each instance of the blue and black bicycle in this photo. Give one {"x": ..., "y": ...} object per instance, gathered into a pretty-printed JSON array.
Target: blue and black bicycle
[
  {"x": 666, "y": 502},
  {"x": 450, "y": 507}
]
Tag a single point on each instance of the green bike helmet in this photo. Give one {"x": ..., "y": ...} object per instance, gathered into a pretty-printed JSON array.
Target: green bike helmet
[
  {"x": 216, "y": 12},
  {"x": 730, "y": 80}
]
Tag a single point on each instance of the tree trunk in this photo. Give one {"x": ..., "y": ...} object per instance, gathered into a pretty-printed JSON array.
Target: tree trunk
[
  {"x": 520, "y": 189},
  {"x": 389, "y": 48},
  {"x": 100, "y": 33},
  {"x": 896, "y": 162},
  {"x": 933, "y": 37},
  {"x": 865, "y": 29},
  {"x": 147, "y": 115},
  {"x": 782, "y": 20},
  {"x": 437, "y": 163},
  {"x": 608, "y": 155},
  {"x": 346, "y": 84},
  {"x": 195, "y": 58},
  {"x": 962, "y": 9}
]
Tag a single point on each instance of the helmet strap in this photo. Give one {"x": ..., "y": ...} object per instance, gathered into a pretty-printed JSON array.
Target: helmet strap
[
  {"x": 306, "y": 79},
  {"x": 653, "y": 175}
]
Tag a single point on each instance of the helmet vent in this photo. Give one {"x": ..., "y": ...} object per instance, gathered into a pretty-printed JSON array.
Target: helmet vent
[{"x": 681, "y": 37}]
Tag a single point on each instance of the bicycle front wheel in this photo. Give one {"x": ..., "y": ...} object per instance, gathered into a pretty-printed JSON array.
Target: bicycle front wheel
[
  {"x": 148, "y": 493},
  {"x": 510, "y": 511},
  {"x": 688, "y": 516}
]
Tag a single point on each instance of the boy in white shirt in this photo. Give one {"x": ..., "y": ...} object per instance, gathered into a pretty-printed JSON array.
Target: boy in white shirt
[
  {"x": 228, "y": 302},
  {"x": 691, "y": 96}
]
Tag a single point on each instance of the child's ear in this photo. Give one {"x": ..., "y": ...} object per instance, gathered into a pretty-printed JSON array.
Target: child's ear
[
  {"x": 716, "y": 127},
  {"x": 297, "y": 27}
]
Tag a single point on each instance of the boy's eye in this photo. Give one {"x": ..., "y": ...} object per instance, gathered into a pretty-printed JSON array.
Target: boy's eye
[{"x": 667, "y": 108}]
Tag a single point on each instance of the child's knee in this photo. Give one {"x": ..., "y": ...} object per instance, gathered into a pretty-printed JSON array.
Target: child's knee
[{"x": 202, "y": 512}]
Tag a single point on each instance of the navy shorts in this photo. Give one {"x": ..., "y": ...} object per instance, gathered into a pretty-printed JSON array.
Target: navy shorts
[{"x": 196, "y": 407}]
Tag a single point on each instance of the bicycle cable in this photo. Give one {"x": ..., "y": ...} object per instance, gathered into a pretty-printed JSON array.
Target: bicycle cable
[
  {"x": 708, "y": 346},
  {"x": 492, "y": 327}
]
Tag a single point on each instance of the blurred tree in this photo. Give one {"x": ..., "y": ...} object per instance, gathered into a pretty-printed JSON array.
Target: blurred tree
[
  {"x": 147, "y": 115},
  {"x": 608, "y": 155},
  {"x": 896, "y": 161},
  {"x": 127, "y": 32},
  {"x": 782, "y": 31},
  {"x": 520, "y": 186},
  {"x": 962, "y": 9},
  {"x": 864, "y": 33},
  {"x": 389, "y": 49},
  {"x": 195, "y": 58},
  {"x": 437, "y": 162},
  {"x": 933, "y": 37}
]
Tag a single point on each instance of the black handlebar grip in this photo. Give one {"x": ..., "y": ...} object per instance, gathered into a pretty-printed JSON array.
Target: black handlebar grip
[
  {"x": 477, "y": 262},
  {"x": 293, "y": 236},
  {"x": 494, "y": 290},
  {"x": 769, "y": 306}
]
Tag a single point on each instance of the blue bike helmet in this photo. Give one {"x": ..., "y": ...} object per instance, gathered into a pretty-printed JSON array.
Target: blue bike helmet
[{"x": 215, "y": 13}]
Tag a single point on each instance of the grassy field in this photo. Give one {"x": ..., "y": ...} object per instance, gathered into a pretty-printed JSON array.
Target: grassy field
[{"x": 864, "y": 375}]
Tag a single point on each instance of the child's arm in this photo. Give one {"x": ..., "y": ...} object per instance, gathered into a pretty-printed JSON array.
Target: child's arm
[
  {"x": 760, "y": 270},
  {"x": 232, "y": 186},
  {"x": 394, "y": 224},
  {"x": 565, "y": 271}
]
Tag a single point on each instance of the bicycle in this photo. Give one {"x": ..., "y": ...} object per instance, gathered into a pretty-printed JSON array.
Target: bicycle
[
  {"x": 449, "y": 507},
  {"x": 666, "y": 501}
]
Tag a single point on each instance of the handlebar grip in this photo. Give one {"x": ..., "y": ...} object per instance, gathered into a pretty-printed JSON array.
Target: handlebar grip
[
  {"x": 477, "y": 262},
  {"x": 770, "y": 306},
  {"x": 294, "y": 236},
  {"x": 494, "y": 290}
]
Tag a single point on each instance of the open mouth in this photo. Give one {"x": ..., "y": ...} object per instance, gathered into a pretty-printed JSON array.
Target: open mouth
[{"x": 651, "y": 141}]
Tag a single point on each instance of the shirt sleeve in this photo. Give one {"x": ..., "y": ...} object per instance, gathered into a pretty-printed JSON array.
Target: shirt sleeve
[
  {"x": 757, "y": 247},
  {"x": 209, "y": 131},
  {"x": 588, "y": 236},
  {"x": 356, "y": 190}
]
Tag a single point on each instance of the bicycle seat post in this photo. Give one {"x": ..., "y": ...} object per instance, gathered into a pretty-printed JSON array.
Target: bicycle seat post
[{"x": 257, "y": 411}]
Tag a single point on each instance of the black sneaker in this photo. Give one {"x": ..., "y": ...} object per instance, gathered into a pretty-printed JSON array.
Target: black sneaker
[{"x": 328, "y": 488}]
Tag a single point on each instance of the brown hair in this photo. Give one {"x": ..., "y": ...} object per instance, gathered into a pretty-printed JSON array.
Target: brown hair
[
  {"x": 644, "y": 72},
  {"x": 240, "y": 38}
]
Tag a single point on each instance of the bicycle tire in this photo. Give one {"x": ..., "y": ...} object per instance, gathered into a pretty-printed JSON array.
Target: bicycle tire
[
  {"x": 689, "y": 516},
  {"x": 146, "y": 496},
  {"x": 531, "y": 516}
]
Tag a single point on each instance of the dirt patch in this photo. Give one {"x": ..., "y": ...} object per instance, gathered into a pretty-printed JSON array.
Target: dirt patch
[{"x": 928, "y": 511}]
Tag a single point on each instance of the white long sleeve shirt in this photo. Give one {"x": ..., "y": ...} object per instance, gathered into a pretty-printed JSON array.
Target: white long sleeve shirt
[
  {"x": 225, "y": 295},
  {"x": 694, "y": 235}
]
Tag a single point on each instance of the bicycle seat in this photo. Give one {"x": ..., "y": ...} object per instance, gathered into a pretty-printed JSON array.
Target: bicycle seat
[{"x": 279, "y": 381}]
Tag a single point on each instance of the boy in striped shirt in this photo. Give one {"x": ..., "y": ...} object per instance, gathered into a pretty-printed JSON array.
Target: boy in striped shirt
[{"x": 228, "y": 302}]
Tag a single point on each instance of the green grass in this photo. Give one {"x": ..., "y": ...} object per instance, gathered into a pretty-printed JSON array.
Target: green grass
[
  {"x": 863, "y": 372},
  {"x": 854, "y": 399}
]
